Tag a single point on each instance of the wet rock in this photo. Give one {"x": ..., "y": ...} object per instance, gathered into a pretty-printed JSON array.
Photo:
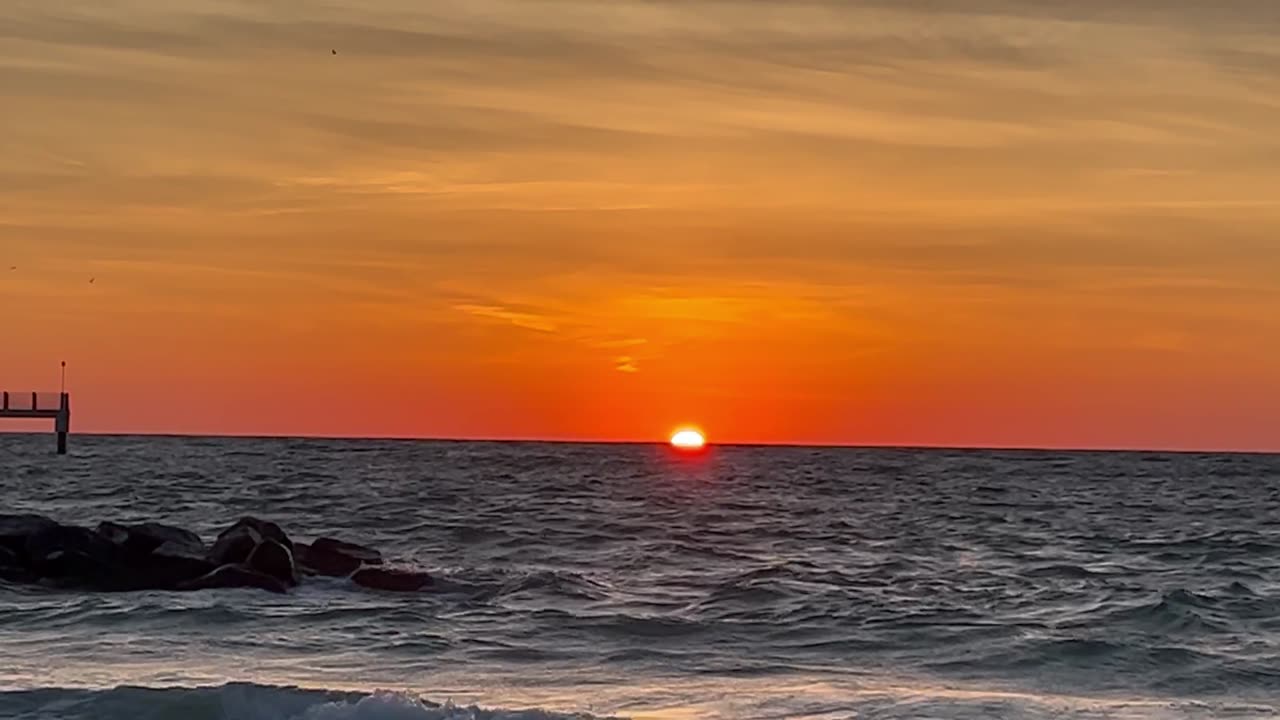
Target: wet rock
[
  {"x": 392, "y": 580},
  {"x": 182, "y": 550},
  {"x": 313, "y": 563},
  {"x": 235, "y": 544},
  {"x": 234, "y": 576},
  {"x": 146, "y": 538},
  {"x": 151, "y": 556},
  {"x": 12, "y": 566},
  {"x": 310, "y": 562},
  {"x": 335, "y": 558},
  {"x": 74, "y": 555},
  {"x": 115, "y": 533},
  {"x": 273, "y": 560},
  {"x": 162, "y": 572},
  {"x": 15, "y": 529},
  {"x": 265, "y": 529},
  {"x": 366, "y": 555}
]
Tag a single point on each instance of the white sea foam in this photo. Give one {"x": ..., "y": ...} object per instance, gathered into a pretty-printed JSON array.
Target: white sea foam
[
  {"x": 399, "y": 706},
  {"x": 244, "y": 702}
]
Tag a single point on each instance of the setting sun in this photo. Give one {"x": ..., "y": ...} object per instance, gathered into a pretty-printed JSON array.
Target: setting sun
[{"x": 688, "y": 440}]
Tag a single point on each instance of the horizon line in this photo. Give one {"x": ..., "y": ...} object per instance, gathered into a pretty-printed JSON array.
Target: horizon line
[{"x": 711, "y": 445}]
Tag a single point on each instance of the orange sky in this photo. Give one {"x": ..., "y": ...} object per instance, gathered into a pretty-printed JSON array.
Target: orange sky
[{"x": 812, "y": 221}]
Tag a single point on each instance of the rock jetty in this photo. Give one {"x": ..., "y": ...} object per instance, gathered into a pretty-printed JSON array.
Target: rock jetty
[{"x": 251, "y": 553}]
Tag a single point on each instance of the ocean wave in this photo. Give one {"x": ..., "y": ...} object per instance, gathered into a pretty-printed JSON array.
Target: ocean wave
[
  {"x": 1065, "y": 571},
  {"x": 1180, "y": 611},
  {"x": 244, "y": 702},
  {"x": 562, "y": 583}
]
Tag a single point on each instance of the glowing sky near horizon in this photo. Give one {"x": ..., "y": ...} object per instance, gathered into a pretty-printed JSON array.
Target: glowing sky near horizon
[{"x": 1000, "y": 222}]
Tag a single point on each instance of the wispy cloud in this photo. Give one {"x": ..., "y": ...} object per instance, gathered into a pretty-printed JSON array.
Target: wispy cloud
[
  {"x": 618, "y": 344},
  {"x": 525, "y": 320}
]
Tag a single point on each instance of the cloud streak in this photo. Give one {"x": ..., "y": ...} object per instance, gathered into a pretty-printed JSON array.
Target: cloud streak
[{"x": 525, "y": 320}]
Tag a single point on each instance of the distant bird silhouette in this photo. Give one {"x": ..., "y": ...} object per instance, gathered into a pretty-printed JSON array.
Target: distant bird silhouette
[
  {"x": 335, "y": 52},
  {"x": 92, "y": 279}
]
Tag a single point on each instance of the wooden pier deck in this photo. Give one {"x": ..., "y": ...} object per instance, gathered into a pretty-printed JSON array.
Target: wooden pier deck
[{"x": 38, "y": 405}]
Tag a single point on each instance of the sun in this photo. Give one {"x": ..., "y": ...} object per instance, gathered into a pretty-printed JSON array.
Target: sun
[{"x": 688, "y": 439}]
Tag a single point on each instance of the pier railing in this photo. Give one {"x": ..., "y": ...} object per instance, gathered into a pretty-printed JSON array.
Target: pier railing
[
  {"x": 30, "y": 401},
  {"x": 46, "y": 405}
]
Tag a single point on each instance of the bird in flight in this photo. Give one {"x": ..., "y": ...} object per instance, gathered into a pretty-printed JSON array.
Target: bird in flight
[
  {"x": 335, "y": 52},
  {"x": 92, "y": 279}
]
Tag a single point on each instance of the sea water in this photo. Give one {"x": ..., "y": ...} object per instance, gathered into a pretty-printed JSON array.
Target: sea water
[{"x": 634, "y": 581}]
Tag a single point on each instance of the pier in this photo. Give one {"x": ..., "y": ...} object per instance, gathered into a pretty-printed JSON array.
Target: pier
[{"x": 40, "y": 406}]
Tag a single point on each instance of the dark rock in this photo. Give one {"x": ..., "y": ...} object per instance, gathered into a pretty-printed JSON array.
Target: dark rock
[
  {"x": 334, "y": 558},
  {"x": 146, "y": 538},
  {"x": 392, "y": 580},
  {"x": 368, "y": 556},
  {"x": 300, "y": 549},
  {"x": 15, "y": 529},
  {"x": 74, "y": 555},
  {"x": 312, "y": 562},
  {"x": 234, "y": 576},
  {"x": 12, "y": 567},
  {"x": 79, "y": 557},
  {"x": 236, "y": 543},
  {"x": 263, "y": 528},
  {"x": 115, "y": 533},
  {"x": 158, "y": 572},
  {"x": 274, "y": 560},
  {"x": 182, "y": 550},
  {"x": 300, "y": 552},
  {"x": 151, "y": 556},
  {"x": 234, "y": 546},
  {"x": 23, "y": 524}
]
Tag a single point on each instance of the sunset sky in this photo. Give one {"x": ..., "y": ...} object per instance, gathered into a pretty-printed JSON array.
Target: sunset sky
[{"x": 994, "y": 222}]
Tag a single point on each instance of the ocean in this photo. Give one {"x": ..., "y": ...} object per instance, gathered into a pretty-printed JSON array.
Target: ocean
[{"x": 594, "y": 581}]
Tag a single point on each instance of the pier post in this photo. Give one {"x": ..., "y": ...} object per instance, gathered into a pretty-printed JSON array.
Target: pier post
[{"x": 62, "y": 424}]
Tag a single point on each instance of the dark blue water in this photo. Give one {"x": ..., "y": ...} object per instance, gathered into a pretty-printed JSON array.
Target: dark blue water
[{"x": 631, "y": 581}]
